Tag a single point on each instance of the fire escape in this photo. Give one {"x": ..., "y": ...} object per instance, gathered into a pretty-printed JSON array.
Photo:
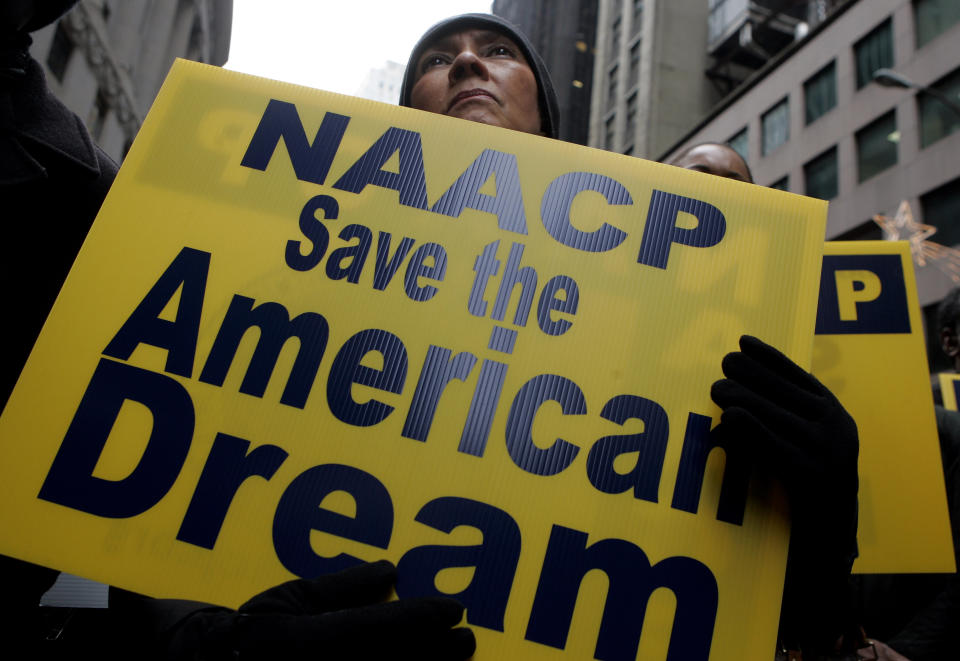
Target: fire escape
[{"x": 743, "y": 35}]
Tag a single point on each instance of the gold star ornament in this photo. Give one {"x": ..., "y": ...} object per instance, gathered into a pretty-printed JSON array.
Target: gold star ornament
[{"x": 902, "y": 227}]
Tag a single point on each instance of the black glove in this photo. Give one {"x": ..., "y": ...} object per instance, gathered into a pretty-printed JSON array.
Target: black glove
[
  {"x": 339, "y": 616},
  {"x": 796, "y": 430}
]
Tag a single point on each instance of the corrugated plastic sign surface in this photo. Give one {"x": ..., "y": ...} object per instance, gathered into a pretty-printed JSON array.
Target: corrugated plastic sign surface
[
  {"x": 871, "y": 352},
  {"x": 308, "y": 330}
]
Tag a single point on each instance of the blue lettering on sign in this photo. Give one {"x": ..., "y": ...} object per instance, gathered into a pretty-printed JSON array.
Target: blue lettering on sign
[{"x": 862, "y": 294}]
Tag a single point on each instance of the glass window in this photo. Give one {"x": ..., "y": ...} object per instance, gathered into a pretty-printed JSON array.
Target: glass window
[
  {"x": 877, "y": 146},
  {"x": 637, "y": 23},
  {"x": 776, "y": 126},
  {"x": 937, "y": 119},
  {"x": 782, "y": 183},
  {"x": 933, "y": 17},
  {"x": 874, "y": 51},
  {"x": 631, "y": 117},
  {"x": 61, "y": 48},
  {"x": 612, "y": 87},
  {"x": 634, "y": 64},
  {"x": 820, "y": 174},
  {"x": 739, "y": 143},
  {"x": 820, "y": 92},
  {"x": 615, "y": 39},
  {"x": 941, "y": 208},
  {"x": 608, "y": 129}
]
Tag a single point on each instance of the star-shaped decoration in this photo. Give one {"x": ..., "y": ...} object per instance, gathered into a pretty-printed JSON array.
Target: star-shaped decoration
[{"x": 902, "y": 227}]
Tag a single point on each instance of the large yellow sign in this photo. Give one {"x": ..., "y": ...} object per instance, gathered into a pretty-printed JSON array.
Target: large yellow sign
[
  {"x": 870, "y": 351},
  {"x": 308, "y": 330}
]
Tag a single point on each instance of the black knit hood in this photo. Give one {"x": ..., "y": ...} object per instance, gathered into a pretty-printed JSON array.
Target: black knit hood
[{"x": 546, "y": 95}]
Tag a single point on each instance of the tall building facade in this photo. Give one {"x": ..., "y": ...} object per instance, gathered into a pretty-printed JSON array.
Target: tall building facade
[
  {"x": 661, "y": 65},
  {"x": 649, "y": 82},
  {"x": 564, "y": 33},
  {"x": 813, "y": 121},
  {"x": 106, "y": 59}
]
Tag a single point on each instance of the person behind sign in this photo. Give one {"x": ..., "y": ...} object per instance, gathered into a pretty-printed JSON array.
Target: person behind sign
[
  {"x": 481, "y": 68},
  {"x": 715, "y": 158},
  {"x": 913, "y": 613}
]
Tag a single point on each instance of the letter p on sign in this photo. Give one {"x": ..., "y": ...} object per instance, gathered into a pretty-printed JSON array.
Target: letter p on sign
[
  {"x": 855, "y": 287},
  {"x": 862, "y": 293}
]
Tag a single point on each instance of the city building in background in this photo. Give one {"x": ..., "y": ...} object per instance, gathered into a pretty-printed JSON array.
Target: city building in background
[
  {"x": 383, "y": 84},
  {"x": 563, "y": 32},
  {"x": 106, "y": 59},
  {"x": 743, "y": 35},
  {"x": 813, "y": 121},
  {"x": 649, "y": 81},
  {"x": 661, "y": 65}
]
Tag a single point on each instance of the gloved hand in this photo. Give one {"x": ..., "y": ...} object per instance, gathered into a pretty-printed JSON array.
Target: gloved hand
[
  {"x": 339, "y": 616},
  {"x": 795, "y": 429}
]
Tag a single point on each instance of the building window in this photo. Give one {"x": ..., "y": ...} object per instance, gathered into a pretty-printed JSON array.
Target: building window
[
  {"x": 874, "y": 51},
  {"x": 877, "y": 146},
  {"x": 776, "y": 126},
  {"x": 820, "y": 93},
  {"x": 631, "y": 117},
  {"x": 937, "y": 120},
  {"x": 739, "y": 143},
  {"x": 615, "y": 39},
  {"x": 637, "y": 23},
  {"x": 933, "y": 17},
  {"x": 634, "y": 64},
  {"x": 820, "y": 175},
  {"x": 608, "y": 133},
  {"x": 941, "y": 208},
  {"x": 60, "y": 51},
  {"x": 612, "y": 87},
  {"x": 783, "y": 183}
]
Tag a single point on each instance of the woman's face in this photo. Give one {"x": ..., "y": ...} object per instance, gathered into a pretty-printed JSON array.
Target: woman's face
[{"x": 479, "y": 75}]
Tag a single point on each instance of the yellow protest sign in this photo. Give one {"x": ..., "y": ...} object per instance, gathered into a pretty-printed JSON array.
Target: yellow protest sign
[
  {"x": 308, "y": 330},
  {"x": 949, "y": 382},
  {"x": 870, "y": 351}
]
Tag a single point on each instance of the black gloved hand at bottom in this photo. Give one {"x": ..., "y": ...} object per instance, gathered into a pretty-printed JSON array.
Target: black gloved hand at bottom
[
  {"x": 339, "y": 616},
  {"x": 796, "y": 430}
]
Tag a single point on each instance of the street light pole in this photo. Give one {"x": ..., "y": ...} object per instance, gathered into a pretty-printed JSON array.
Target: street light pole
[{"x": 890, "y": 78}]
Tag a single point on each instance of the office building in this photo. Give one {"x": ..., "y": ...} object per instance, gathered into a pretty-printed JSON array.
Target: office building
[{"x": 661, "y": 65}]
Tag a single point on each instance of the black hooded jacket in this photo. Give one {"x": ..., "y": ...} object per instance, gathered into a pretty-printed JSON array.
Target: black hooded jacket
[{"x": 546, "y": 95}]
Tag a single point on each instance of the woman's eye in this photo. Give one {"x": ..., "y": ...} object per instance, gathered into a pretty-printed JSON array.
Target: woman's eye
[
  {"x": 432, "y": 61},
  {"x": 501, "y": 50}
]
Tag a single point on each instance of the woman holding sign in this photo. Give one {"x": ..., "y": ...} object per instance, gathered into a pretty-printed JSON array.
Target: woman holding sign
[{"x": 480, "y": 68}]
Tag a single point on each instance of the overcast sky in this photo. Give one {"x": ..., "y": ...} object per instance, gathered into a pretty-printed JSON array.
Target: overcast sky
[{"x": 331, "y": 45}]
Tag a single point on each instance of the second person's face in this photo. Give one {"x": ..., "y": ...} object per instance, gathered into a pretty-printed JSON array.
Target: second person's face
[{"x": 478, "y": 75}]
